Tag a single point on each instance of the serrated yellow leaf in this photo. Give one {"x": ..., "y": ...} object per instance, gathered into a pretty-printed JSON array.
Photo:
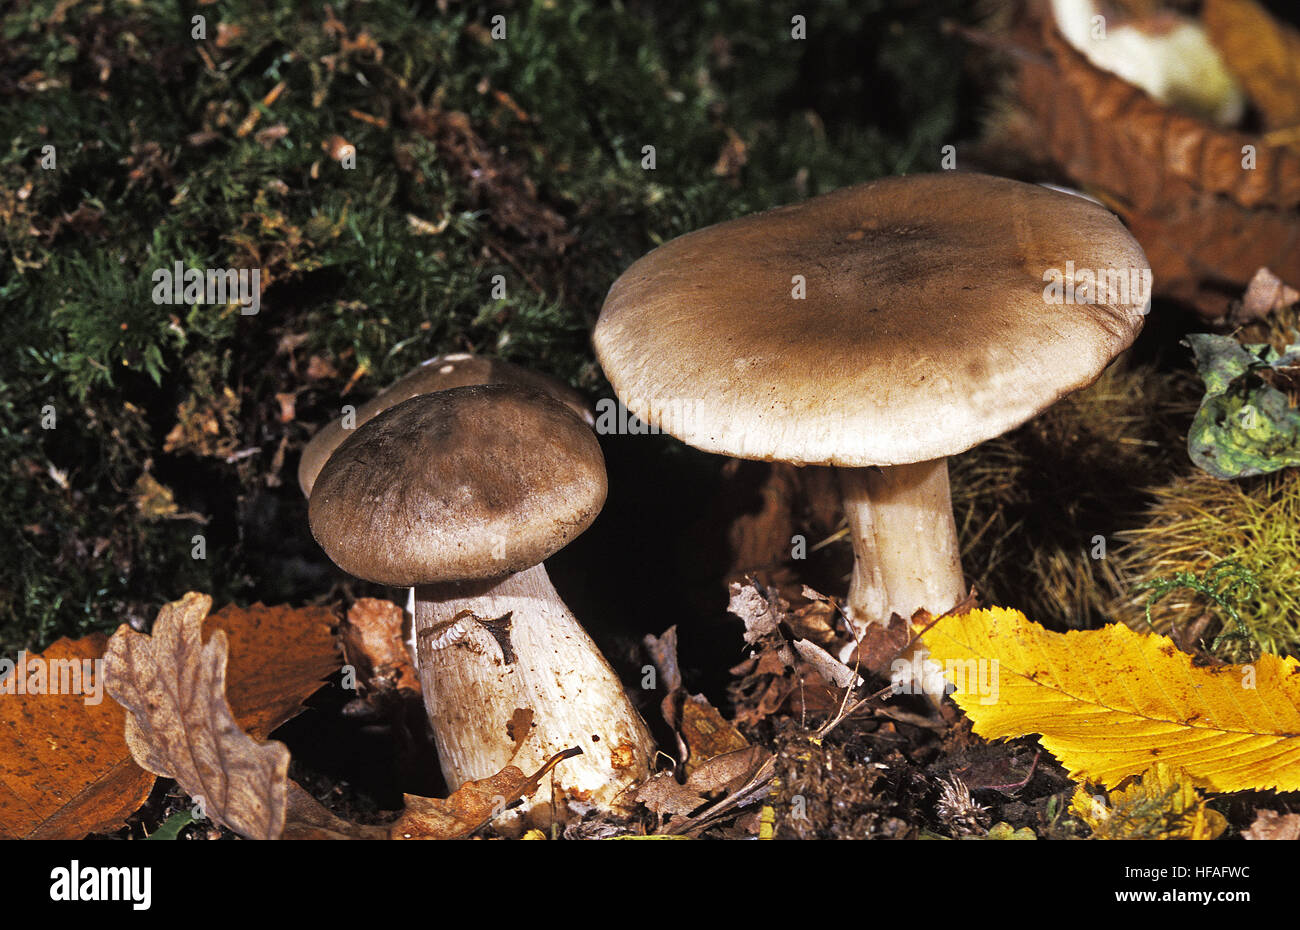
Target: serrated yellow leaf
[{"x": 1111, "y": 703}]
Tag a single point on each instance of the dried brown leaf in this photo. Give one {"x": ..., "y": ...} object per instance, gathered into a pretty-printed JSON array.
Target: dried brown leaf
[
  {"x": 728, "y": 772},
  {"x": 663, "y": 795},
  {"x": 663, "y": 651},
  {"x": 1206, "y": 221},
  {"x": 760, "y": 616},
  {"x": 826, "y": 665},
  {"x": 760, "y": 538},
  {"x": 471, "y": 805},
  {"x": 816, "y": 620},
  {"x": 1111, "y": 136},
  {"x": 1265, "y": 294},
  {"x": 279, "y": 656},
  {"x": 180, "y": 725},
  {"x": 881, "y": 645},
  {"x": 706, "y": 732},
  {"x": 1205, "y": 248},
  {"x": 307, "y": 819},
  {"x": 754, "y": 789}
]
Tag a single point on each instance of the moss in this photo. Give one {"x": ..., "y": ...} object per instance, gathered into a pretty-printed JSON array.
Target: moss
[
  {"x": 474, "y": 158},
  {"x": 1196, "y": 522}
]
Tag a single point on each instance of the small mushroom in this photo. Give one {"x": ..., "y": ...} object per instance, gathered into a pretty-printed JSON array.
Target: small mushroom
[
  {"x": 879, "y": 329},
  {"x": 462, "y": 494},
  {"x": 435, "y": 374}
]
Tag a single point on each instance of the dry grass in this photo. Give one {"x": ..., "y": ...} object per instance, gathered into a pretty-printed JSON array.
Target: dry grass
[
  {"x": 1030, "y": 504},
  {"x": 1197, "y": 521}
]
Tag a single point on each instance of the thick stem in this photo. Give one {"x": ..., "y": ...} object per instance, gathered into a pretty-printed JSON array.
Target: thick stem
[
  {"x": 904, "y": 541},
  {"x": 519, "y": 648}
]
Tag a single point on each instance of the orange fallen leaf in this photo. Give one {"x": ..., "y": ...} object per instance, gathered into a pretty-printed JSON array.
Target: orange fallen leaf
[
  {"x": 1112, "y": 136},
  {"x": 279, "y": 656},
  {"x": 64, "y": 767}
]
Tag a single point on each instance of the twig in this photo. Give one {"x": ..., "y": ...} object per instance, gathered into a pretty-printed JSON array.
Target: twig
[
  {"x": 742, "y": 796},
  {"x": 967, "y": 603}
]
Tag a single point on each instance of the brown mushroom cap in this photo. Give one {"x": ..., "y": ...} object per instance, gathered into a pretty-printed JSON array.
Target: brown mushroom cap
[
  {"x": 436, "y": 374},
  {"x": 924, "y": 330},
  {"x": 468, "y": 483}
]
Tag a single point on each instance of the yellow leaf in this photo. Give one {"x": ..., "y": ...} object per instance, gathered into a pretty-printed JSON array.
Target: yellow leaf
[
  {"x": 1162, "y": 805},
  {"x": 1263, "y": 53},
  {"x": 1111, "y": 703}
]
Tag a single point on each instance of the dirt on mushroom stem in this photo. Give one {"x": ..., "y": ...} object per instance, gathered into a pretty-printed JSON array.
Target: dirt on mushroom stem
[{"x": 510, "y": 678}]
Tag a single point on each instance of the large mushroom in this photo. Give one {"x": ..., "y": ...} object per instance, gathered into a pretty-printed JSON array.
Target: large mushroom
[
  {"x": 879, "y": 329},
  {"x": 436, "y": 374},
  {"x": 462, "y": 494}
]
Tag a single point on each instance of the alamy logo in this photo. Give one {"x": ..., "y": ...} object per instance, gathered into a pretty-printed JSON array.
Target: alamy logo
[
  {"x": 103, "y": 883},
  {"x": 219, "y": 286},
  {"x": 1109, "y": 286},
  {"x": 614, "y": 418},
  {"x": 36, "y": 675}
]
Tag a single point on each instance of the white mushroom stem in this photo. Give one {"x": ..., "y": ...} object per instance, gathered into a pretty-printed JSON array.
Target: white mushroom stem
[
  {"x": 489, "y": 648},
  {"x": 904, "y": 541}
]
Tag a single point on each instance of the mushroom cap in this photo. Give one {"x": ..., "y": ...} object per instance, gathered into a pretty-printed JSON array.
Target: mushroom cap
[
  {"x": 468, "y": 483},
  {"x": 925, "y": 328},
  {"x": 436, "y": 374}
]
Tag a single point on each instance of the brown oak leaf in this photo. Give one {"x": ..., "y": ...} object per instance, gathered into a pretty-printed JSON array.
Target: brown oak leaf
[{"x": 180, "y": 725}]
